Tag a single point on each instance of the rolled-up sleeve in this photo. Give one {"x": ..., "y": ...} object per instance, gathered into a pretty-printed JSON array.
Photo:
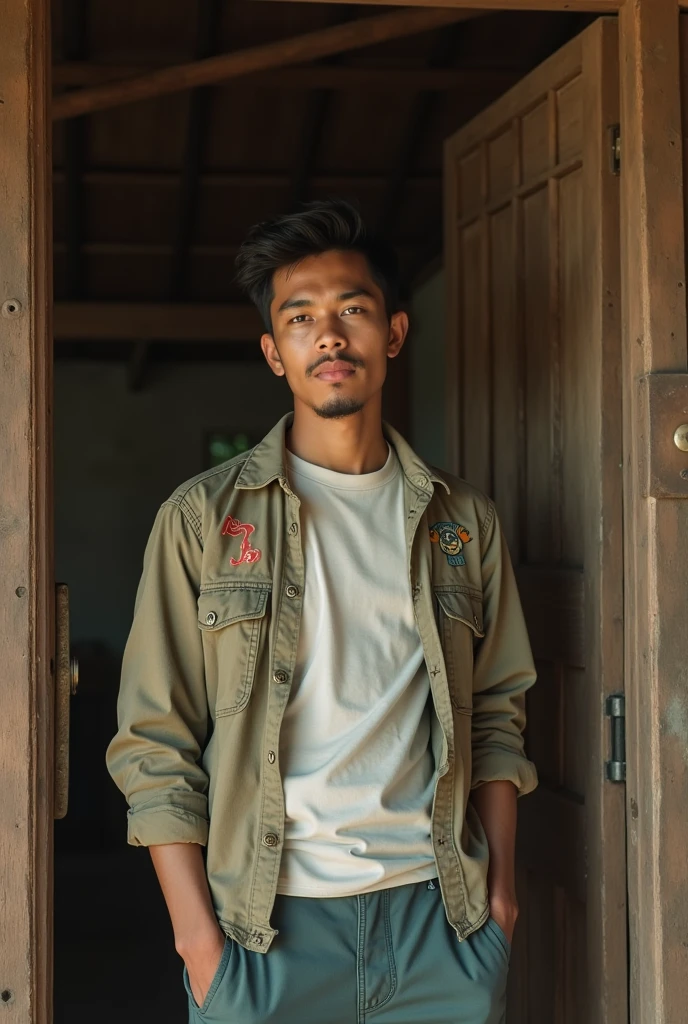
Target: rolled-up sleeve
[
  {"x": 503, "y": 671},
  {"x": 162, "y": 708}
]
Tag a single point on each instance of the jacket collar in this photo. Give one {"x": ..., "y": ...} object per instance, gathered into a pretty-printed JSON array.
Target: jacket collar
[{"x": 265, "y": 462}]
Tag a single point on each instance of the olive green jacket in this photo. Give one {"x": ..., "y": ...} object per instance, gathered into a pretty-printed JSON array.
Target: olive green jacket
[{"x": 210, "y": 659}]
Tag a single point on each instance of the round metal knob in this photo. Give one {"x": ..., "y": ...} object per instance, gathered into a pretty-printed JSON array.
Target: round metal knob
[
  {"x": 74, "y": 674},
  {"x": 681, "y": 437}
]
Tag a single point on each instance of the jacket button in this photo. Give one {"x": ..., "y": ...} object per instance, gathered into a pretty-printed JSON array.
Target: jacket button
[
  {"x": 280, "y": 676},
  {"x": 210, "y": 619},
  {"x": 271, "y": 756},
  {"x": 421, "y": 480},
  {"x": 292, "y": 591},
  {"x": 270, "y": 839},
  {"x": 293, "y": 529},
  {"x": 475, "y": 619}
]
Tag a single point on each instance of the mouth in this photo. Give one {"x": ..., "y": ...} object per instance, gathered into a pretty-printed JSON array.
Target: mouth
[{"x": 336, "y": 371}]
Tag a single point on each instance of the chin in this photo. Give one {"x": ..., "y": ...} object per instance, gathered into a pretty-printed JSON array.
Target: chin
[{"x": 336, "y": 408}]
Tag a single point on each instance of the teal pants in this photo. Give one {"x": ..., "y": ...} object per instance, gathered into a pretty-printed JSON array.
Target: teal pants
[{"x": 386, "y": 957}]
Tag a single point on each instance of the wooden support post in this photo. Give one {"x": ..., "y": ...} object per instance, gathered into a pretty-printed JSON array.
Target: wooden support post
[
  {"x": 26, "y": 587},
  {"x": 656, "y": 528}
]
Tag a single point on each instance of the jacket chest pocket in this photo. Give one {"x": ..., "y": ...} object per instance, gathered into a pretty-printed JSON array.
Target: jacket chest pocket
[
  {"x": 233, "y": 622},
  {"x": 460, "y": 625}
]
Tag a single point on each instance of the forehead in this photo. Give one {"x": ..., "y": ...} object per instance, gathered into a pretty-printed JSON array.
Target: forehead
[{"x": 330, "y": 272}]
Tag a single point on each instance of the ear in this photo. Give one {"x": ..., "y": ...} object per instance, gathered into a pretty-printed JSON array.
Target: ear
[
  {"x": 398, "y": 329},
  {"x": 272, "y": 356}
]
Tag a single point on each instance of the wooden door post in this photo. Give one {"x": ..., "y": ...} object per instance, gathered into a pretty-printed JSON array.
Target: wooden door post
[
  {"x": 656, "y": 526},
  {"x": 26, "y": 580}
]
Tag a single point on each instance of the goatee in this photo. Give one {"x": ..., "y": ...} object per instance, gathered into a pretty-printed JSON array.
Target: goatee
[{"x": 337, "y": 408}]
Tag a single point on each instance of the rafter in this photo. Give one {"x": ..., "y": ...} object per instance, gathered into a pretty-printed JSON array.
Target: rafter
[
  {"x": 595, "y": 6},
  {"x": 313, "y": 126},
  {"x": 240, "y": 179},
  {"x": 421, "y": 112},
  {"x": 209, "y": 18},
  {"x": 318, "y": 76},
  {"x": 311, "y": 46}
]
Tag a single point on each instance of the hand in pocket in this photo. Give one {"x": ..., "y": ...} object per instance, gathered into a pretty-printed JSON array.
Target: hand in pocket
[{"x": 202, "y": 965}]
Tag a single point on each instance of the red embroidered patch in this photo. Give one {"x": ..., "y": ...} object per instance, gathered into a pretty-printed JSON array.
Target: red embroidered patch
[{"x": 233, "y": 528}]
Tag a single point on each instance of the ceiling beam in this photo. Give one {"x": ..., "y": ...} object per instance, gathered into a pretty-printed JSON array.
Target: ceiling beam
[
  {"x": 209, "y": 21},
  {"x": 155, "y": 322},
  {"x": 316, "y": 109},
  {"x": 242, "y": 179},
  {"x": 596, "y": 6},
  {"x": 393, "y": 79},
  {"x": 311, "y": 46}
]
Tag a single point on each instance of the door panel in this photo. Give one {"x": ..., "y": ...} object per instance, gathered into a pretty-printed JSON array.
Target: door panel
[{"x": 534, "y": 400}]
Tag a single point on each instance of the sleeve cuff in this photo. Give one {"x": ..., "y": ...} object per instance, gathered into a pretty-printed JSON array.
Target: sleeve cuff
[
  {"x": 157, "y": 826},
  {"x": 498, "y": 765}
]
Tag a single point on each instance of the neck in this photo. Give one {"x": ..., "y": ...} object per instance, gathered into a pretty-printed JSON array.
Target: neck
[{"x": 353, "y": 444}]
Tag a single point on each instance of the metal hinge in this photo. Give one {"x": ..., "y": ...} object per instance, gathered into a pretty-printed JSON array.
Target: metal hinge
[
  {"x": 615, "y": 148},
  {"x": 615, "y": 709}
]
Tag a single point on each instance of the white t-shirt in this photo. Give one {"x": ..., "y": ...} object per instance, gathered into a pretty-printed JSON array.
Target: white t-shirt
[{"x": 355, "y": 751}]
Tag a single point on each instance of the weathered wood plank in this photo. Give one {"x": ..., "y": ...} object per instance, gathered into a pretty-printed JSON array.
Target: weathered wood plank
[
  {"x": 325, "y": 42},
  {"x": 601, "y": 478},
  {"x": 26, "y": 594},
  {"x": 656, "y": 559}
]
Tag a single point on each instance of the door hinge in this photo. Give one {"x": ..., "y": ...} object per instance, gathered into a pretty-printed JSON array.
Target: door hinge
[
  {"x": 615, "y": 709},
  {"x": 615, "y": 148}
]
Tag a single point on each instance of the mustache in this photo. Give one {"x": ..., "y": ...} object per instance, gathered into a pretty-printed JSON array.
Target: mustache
[{"x": 343, "y": 358}]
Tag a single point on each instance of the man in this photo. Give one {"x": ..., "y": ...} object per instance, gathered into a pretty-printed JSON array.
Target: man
[{"x": 324, "y": 685}]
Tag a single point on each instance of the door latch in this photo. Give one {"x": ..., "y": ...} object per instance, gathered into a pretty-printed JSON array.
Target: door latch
[{"x": 615, "y": 709}]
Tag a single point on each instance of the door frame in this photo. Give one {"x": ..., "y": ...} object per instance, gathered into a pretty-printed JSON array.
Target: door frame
[
  {"x": 26, "y": 557},
  {"x": 656, "y": 519}
]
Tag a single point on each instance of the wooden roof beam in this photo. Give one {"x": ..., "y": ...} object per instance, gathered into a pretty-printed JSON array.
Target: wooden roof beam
[
  {"x": 595, "y": 6},
  {"x": 156, "y": 322},
  {"x": 393, "y": 79},
  {"x": 311, "y": 46}
]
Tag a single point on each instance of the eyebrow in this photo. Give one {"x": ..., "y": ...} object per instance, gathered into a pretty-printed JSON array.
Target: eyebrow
[{"x": 300, "y": 303}]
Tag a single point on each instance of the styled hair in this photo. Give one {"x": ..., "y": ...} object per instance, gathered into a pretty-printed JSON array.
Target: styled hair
[{"x": 317, "y": 227}]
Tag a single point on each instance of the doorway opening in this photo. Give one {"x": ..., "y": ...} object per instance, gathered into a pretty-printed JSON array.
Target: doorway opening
[{"x": 158, "y": 370}]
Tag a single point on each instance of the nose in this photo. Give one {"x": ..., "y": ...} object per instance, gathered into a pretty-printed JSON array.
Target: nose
[{"x": 332, "y": 337}]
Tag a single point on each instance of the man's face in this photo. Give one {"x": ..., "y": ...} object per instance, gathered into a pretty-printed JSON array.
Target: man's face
[{"x": 331, "y": 336}]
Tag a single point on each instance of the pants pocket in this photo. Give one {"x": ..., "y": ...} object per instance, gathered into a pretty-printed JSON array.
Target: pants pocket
[
  {"x": 499, "y": 934},
  {"x": 215, "y": 983}
]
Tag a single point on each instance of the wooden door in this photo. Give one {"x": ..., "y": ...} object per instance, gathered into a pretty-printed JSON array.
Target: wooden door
[
  {"x": 26, "y": 591},
  {"x": 532, "y": 257}
]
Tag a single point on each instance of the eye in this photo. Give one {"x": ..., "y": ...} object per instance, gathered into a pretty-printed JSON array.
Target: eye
[
  {"x": 300, "y": 319},
  {"x": 353, "y": 309}
]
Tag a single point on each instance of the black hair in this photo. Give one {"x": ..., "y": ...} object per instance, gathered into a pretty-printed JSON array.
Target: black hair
[{"x": 315, "y": 228}]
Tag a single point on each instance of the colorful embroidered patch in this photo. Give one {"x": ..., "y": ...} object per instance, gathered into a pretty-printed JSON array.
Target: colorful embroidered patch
[
  {"x": 451, "y": 538},
  {"x": 233, "y": 528}
]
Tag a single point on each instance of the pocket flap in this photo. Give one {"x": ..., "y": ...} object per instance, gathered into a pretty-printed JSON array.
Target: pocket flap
[
  {"x": 463, "y": 607},
  {"x": 220, "y": 607}
]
